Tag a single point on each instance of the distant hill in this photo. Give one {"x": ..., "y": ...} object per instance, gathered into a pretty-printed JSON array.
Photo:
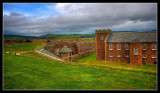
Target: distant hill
[
  {"x": 59, "y": 36},
  {"x": 48, "y": 36}
]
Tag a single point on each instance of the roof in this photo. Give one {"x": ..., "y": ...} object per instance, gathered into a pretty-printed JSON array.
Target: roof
[
  {"x": 145, "y": 36},
  {"x": 65, "y": 49}
]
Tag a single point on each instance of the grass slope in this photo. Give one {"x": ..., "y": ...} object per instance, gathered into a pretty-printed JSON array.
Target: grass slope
[
  {"x": 91, "y": 61},
  {"x": 23, "y": 47},
  {"x": 38, "y": 72}
]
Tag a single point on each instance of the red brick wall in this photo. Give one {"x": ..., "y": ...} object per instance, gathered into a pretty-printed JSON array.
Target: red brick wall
[
  {"x": 13, "y": 41},
  {"x": 81, "y": 39},
  {"x": 89, "y": 52},
  {"x": 149, "y": 52},
  {"x": 86, "y": 46},
  {"x": 75, "y": 57},
  {"x": 64, "y": 55},
  {"x": 133, "y": 59},
  {"x": 9, "y": 41},
  {"x": 53, "y": 40},
  {"x": 38, "y": 40},
  {"x": 115, "y": 52},
  {"x": 100, "y": 44},
  {"x": 136, "y": 59}
]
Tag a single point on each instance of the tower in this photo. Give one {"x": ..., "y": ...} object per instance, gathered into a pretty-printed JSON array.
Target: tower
[{"x": 100, "y": 42}]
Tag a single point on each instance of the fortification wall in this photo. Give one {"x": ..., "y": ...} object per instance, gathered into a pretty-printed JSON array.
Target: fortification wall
[
  {"x": 13, "y": 41},
  {"x": 75, "y": 57},
  {"x": 45, "y": 40},
  {"x": 86, "y": 46},
  {"x": 80, "y": 49},
  {"x": 56, "y": 47}
]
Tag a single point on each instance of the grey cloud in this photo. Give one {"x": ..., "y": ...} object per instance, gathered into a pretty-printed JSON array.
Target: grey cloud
[
  {"x": 15, "y": 14},
  {"x": 85, "y": 18}
]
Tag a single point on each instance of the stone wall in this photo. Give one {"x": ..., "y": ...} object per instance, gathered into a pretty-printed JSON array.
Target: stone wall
[
  {"x": 56, "y": 47},
  {"x": 86, "y": 46},
  {"x": 13, "y": 41},
  {"x": 80, "y": 49},
  {"x": 45, "y": 40},
  {"x": 89, "y": 52},
  {"x": 9, "y": 41},
  {"x": 75, "y": 57}
]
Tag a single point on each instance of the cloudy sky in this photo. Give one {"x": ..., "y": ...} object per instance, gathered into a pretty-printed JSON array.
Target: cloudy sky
[{"x": 36, "y": 19}]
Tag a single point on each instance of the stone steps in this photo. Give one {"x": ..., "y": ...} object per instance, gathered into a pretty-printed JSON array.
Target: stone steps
[{"x": 49, "y": 54}]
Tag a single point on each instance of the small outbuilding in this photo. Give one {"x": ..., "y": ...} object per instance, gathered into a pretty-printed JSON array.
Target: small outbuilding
[{"x": 65, "y": 53}]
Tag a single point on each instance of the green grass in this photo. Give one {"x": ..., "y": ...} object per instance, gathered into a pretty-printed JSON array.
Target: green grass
[
  {"x": 91, "y": 61},
  {"x": 37, "y": 72},
  {"x": 23, "y": 47}
]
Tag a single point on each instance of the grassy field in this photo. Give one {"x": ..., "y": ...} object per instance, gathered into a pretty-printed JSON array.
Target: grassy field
[
  {"x": 25, "y": 47},
  {"x": 91, "y": 61},
  {"x": 33, "y": 71}
]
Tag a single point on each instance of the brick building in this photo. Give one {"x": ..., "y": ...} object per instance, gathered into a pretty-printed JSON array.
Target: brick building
[
  {"x": 131, "y": 47},
  {"x": 65, "y": 53}
]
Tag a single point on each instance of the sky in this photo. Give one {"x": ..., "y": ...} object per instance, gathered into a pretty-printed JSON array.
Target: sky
[{"x": 35, "y": 19}]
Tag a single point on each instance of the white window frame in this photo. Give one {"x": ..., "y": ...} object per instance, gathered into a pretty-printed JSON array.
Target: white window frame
[
  {"x": 144, "y": 57},
  {"x": 127, "y": 56},
  {"x": 134, "y": 51},
  {"x": 127, "y": 45},
  {"x": 119, "y": 45},
  {"x": 118, "y": 55},
  {"x": 143, "y": 48},
  {"x": 110, "y": 55},
  {"x": 153, "y": 57},
  {"x": 110, "y": 47},
  {"x": 155, "y": 47}
]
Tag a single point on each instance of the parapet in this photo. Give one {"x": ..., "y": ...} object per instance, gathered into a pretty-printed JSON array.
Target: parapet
[{"x": 103, "y": 31}]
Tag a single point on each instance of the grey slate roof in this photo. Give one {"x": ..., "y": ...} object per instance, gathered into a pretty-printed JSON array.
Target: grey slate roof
[
  {"x": 146, "y": 36},
  {"x": 65, "y": 49}
]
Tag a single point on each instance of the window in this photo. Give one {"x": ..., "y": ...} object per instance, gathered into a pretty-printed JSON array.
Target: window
[
  {"x": 118, "y": 55},
  {"x": 135, "y": 51},
  {"x": 153, "y": 56},
  {"x": 144, "y": 47},
  {"x": 118, "y": 47},
  {"x": 126, "y": 47},
  {"x": 153, "y": 47},
  {"x": 144, "y": 56},
  {"x": 127, "y": 56},
  {"x": 110, "y": 47},
  {"x": 111, "y": 55}
]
